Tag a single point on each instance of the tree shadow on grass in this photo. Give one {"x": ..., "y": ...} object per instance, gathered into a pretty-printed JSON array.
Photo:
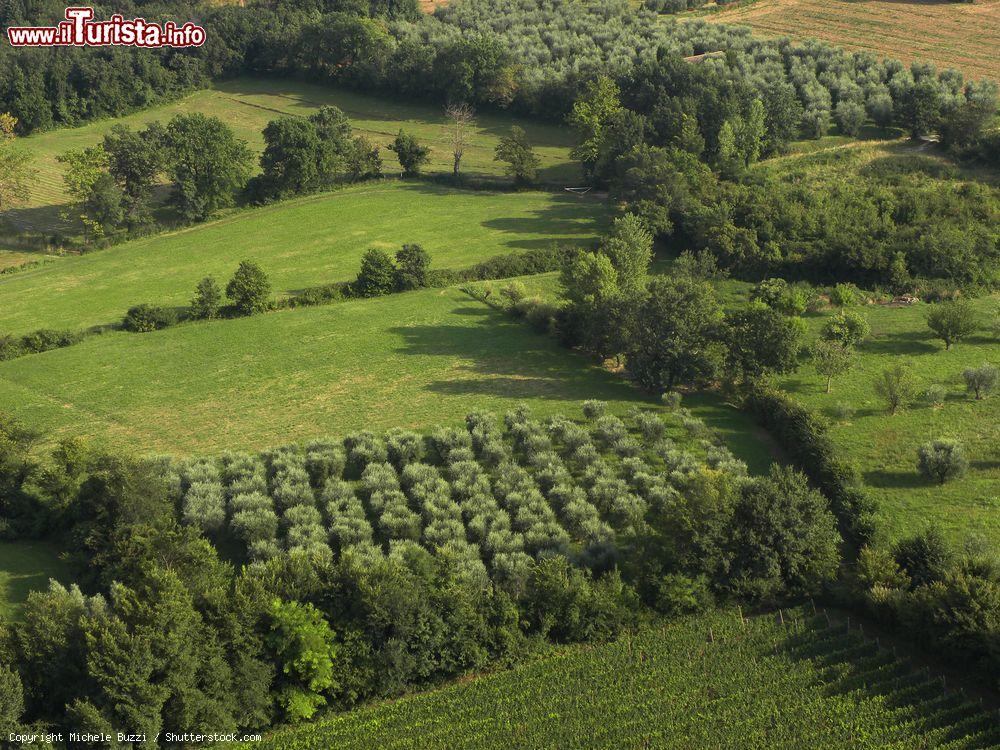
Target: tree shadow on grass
[
  {"x": 896, "y": 479},
  {"x": 506, "y": 358},
  {"x": 908, "y": 343},
  {"x": 563, "y": 218}
]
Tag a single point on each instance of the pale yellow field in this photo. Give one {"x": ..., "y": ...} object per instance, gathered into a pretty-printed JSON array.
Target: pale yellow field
[{"x": 965, "y": 36}]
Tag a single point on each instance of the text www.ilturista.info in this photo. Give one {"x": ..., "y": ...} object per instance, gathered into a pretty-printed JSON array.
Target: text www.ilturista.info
[{"x": 79, "y": 30}]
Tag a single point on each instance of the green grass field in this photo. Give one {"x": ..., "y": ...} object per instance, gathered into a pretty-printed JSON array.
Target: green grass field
[
  {"x": 409, "y": 360},
  {"x": 299, "y": 243},
  {"x": 703, "y": 682},
  {"x": 248, "y": 104},
  {"x": 885, "y": 447},
  {"x": 27, "y": 567}
]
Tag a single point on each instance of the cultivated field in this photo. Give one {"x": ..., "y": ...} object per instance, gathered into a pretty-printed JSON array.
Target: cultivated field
[
  {"x": 965, "y": 36},
  {"x": 299, "y": 243},
  {"x": 409, "y": 360},
  {"x": 26, "y": 567},
  {"x": 704, "y": 682},
  {"x": 885, "y": 447},
  {"x": 247, "y": 105}
]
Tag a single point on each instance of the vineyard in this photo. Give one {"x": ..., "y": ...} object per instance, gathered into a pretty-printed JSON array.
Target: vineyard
[
  {"x": 495, "y": 497},
  {"x": 791, "y": 681}
]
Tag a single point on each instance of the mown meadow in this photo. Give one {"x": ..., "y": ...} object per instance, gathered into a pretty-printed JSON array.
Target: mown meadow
[
  {"x": 305, "y": 242},
  {"x": 247, "y": 104}
]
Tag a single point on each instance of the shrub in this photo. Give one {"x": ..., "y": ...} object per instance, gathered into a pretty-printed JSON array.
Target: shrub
[
  {"x": 249, "y": 289},
  {"x": 145, "y": 318},
  {"x": 846, "y": 328},
  {"x": 593, "y": 409},
  {"x": 513, "y": 292},
  {"x": 951, "y": 321},
  {"x": 941, "y": 460},
  {"x": 412, "y": 265},
  {"x": 651, "y": 426},
  {"x": 671, "y": 400},
  {"x": 843, "y": 295},
  {"x": 935, "y": 395},
  {"x": 410, "y": 153},
  {"x": 206, "y": 300},
  {"x": 981, "y": 381},
  {"x": 377, "y": 275},
  {"x": 924, "y": 557}
]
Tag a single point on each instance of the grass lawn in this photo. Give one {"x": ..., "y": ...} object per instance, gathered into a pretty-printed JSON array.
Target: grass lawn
[
  {"x": 412, "y": 360},
  {"x": 27, "y": 567},
  {"x": 248, "y": 104},
  {"x": 885, "y": 447},
  {"x": 303, "y": 242}
]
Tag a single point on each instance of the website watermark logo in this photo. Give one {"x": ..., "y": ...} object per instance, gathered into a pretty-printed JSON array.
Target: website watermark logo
[{"x": 80, "y": 30}]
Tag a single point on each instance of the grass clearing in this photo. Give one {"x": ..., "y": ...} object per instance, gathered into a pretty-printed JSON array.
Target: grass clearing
[
  {"x": 299, "y": 243},
  {"x": 410, "y": 360},
  {"x": 248, "y": 104},
  {"x": 885, "y": 447},
  {"x": 25, "y": 567},
  {"x": 965, "y": 36}
]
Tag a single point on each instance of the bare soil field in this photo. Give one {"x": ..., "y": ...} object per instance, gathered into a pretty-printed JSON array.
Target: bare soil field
[{"x": 965, "y": 36}]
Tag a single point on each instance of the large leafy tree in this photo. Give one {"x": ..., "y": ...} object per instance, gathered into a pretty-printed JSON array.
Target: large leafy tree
[
  {"x": 16, "y": 175},
  {"x": 592, "y": 113},
  {"x": 249, "y": 289},
  {"x": 291, "y": 159},
  {"x": 304, "y": 646},
  {"x": 207, "y": 165},
  {"x": 676, "y": 338},
  {"x": 135, "y": 160},
  {"x": 761, "y": 341},
  {"x": 410, "y": 153}
]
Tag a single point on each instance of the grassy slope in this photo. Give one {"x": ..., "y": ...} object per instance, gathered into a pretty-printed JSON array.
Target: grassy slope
[
  {"x": 413, "y": 360},
  {"x": 26, "y": 567},
  {"x": 758, "y": 685},
  {"x": 299, "y": 243},
  {"x": 951, "y": 35},
  {"x": 884, "y": 447},
  {"x": 247, "y": 105}
]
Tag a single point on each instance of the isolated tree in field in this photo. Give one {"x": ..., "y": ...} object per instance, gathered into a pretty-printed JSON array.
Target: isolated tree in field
[
  {"x": 761, "y": 341},
  {"x": 412, "y": 266},
  {"x": 832, "y": 359},
  {"x": 135, "y": 160},
  {"x": 461, "y": 122},
  {"x": 591, "y": 114},
  {"x": 676, "y": 336},
  {"x": 847, "y": 328},
  {"x": 629, "y": 245},
  {"x": 410, "y": 153},
  {"x": 16, "y": 176},
  {"x": 515, "y": 151},
  {"x": 291, "y": 159},
  {"x": 951, "y": 321},
  {"x": 206, "y": 163},
  {"x": 896, "y": 386},
  {"x": 981, "y": 381},
  {"x": 207, "y": 299},
  {"x": 941, "y": 460},
  {"x": 249, "y": 289},
  {"x": 377, "y": 275}
]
